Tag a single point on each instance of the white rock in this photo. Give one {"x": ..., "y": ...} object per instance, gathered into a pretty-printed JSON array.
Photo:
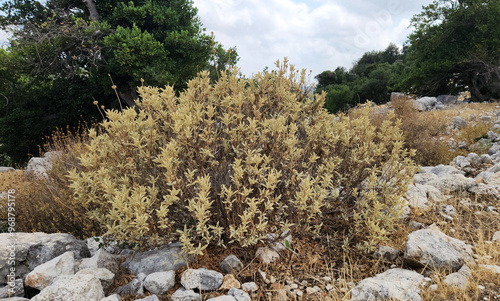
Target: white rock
[
  {"x": 267, "y": 255},
  {"x": 397, "y": 284},
  {"x": 114, "y": 297},
  {"x": 239, "y": 295},
  {"x": 222, "y": 298},
  {"x": 101, "y": 259},
  {"x": 160, "y": 282},
  {"x": 104, "y": 275},
  {"x": 459, "y": 279},
  {"x": 202, "y": 279},
  {"x": 183, "y": 294},
  {"x": 451, "y": 183},
  {"x": 417, "y": 196},
  {"x": 249, "y": 287},
  {"x": 43, "y": 275},
  {"x": 430, "y": 247},
  {"x": 386, "y": 253},
  {"x": 149, "y": 298},
  {"x": 82, "y": 287},
  {"x": 492, "y": 268},
  {"x": 496, "y": 236}
]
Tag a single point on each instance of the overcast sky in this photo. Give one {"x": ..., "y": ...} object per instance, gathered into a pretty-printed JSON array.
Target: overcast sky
[{"x": 314, "y": 34}]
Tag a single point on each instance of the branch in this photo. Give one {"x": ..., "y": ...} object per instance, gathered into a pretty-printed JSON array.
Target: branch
[{"x": 92, "y": 7}]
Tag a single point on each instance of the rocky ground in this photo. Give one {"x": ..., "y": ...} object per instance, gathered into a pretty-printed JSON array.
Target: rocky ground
[{"x": 448, "y": 249}]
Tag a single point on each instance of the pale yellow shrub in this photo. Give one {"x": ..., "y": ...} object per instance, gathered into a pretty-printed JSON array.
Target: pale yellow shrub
[{"x": 232, "y": 162}]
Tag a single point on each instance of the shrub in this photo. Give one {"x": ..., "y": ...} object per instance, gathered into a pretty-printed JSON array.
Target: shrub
[{"x": 232, "y": 162}]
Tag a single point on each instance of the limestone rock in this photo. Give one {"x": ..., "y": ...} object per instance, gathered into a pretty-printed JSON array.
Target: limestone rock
[
  {"x": 114, "y": 297},
  {"x": 459, "y": 279},
  {"x": 104, "y": 275},
  {"x": 78, "y": 287},
  {"x": 394, "y": 284},
  {"x": 149, "y": 298},
  {"x": 231, "y": 264},
  {"x": 202, "y": 279},
  {"x": 33, "y": 249},
  {"x": 101, "y": 259},
  {"x": 450, "y": 183},
  {"x": 386, "y": 253},
  {"x": 229, "y": 282},
  {"x": 160, "y": 282},
  {"x": 43, "y": 275},
  {"x": 183, "y": 294},
  {"x": 16, "y": 291},
  {"x": 169, "y": 258},
  {"x": 222, "y": 298},
  {"x": 430, "y": 247},
  {"x": 239, "y": 295},
  {"x": 249, "y": 287}
]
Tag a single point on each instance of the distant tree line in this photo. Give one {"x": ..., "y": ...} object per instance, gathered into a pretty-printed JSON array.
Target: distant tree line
[{"x": 454, "y": 47}]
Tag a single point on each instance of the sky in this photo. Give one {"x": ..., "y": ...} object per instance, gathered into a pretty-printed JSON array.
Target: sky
[{"x": 317, "y": 35}]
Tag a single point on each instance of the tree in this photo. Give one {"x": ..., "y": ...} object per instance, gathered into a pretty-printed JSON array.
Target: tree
[
  {"x": 455, "y": 46},
  {"x": 64, "y": 52}
]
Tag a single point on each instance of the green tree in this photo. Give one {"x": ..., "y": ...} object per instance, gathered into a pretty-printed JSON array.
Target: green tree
[
  {"x": 455, "y": 46},
  {"x": 63, "y": 53}
]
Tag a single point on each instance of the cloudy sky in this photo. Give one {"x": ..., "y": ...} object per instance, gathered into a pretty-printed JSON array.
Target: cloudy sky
[{"x": 314, "y": 34}]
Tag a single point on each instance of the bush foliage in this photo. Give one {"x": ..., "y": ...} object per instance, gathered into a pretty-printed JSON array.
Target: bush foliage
[{"x": 231, "y": 162}]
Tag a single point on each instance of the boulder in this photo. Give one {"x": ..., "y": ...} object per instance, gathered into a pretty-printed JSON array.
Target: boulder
[
  {"x": 239, "y": 295},
  {"x": 424, "y": 177},
  {"x": 43, "y": 275},
  {"x": 169, "y": 258},
  {"x": 447, "y": 99},
  {"x": 424, "y": 103},
  {"x": 101, "y": 259},
  {"x": 417, "y": 196},
  {"x": 231, "y": 264},
  {"x": 430, "y": 247},
  {"x": 202, "y": 279},
  {"x": 451, "y": 183},
  {"x": 160, "y": 282},
  {"x": 134, "y": 287},
  {"x": 78, "y": 287},
  {"x": 33, "y": 249},
  {"x": 16, "y": 291},
  {"x": 442, "y": 170},
  {"x": 183, "y": 294},
  {"x": 104, "y": 275},
  {"x": 38, "y": 167},
  {"x": 394, "y": 284}
]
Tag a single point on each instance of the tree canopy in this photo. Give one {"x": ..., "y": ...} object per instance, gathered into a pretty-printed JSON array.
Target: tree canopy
[{"x": 65, "y": 54}]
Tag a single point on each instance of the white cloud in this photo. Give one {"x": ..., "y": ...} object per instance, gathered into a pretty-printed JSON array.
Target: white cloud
[{"x": 313, "y": 34}]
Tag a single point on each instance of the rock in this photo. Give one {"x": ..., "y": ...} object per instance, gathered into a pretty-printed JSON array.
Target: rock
[
  {"x": 449, "y": 210},
  {"x": 249, "y": 287},
  {"x": 134, "y": 287},
  {"x": 33, "y": 249},
  {"x": 149, "y": 298},
  {"x": 417, "y": 197},
  {"x": 231, "y": 264},
  {"x": 494, "y": 179},
  {"x": 160, "y": 282},
  {"x": 494, "y": 149},
  {"x": 451, "y": 183},
  {"x": 491, "y": 268},
  {"x": 183, "y": 294},
  {"x": 94, "y": 242},
  {"x": 114, "y": 297},
  {"x": 43, "y": 275},
  {"x": 430, "y": 247},
  {"x": 386, "y": 253},
  {"x": 483, "y": 177},
  {"x": 415, "y": 225},
  {"x": 447, "y": 99},
  {"x": 423, "y": 178},
  {"x": 239, "y": 295},
  {"x": 496, "y": 236},
  {"x": 38, "y": 167},
  {"x": 202, "y": 279},
  {"x": 461, "y": 162},
  {"x": 169, "y": 258},
  {"x": 459, "y": 279},
  {"x": 101, "y": 259},
  {"x": 424, "y": 103},
  {"x": 6, "y": 169},
  {"x": 491, "y": 135},
  {"x": 442, "y": 170},
  {"x": 104, "y": 275},
  {"x": 267, "y": 255},
  {"x": 229, "y": 282},
  {"x": 78, "y": 287},
  {"x": 491, "y": 191},
  {"x": 458, "y": 122},
  {"x": 16, "y": 291},
  {"x": 15, "y": 299},
  {"x": 222, "y": 298},
  {"x": 394, "y": 284},
  {"x": 486, "y": 159}
]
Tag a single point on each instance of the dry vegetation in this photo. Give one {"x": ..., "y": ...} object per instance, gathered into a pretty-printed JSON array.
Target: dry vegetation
[{"x": 50, "y": 206}]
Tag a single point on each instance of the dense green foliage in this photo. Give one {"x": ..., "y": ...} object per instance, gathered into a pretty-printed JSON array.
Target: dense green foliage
[
  {"x": 373, "y": 77},
  {"x": 456, "y": 45},
  {"x": 63, "y": 50}
]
